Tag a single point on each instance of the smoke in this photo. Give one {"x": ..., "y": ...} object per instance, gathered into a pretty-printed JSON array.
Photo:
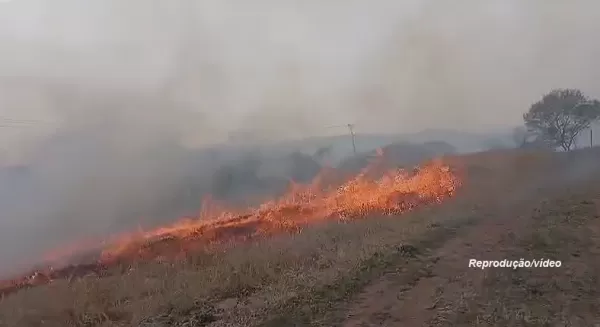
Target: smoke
[
  {"x": 287, "y": 69},
  {"x": 131, "y": 85},
  {"x": 480, "y": 65},
  {"x": 105, "y": 172},
  {"x": 119, "y": 168}
]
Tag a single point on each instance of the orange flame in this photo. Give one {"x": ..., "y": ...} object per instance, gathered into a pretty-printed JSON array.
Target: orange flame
[{"x": 396, "y": 192}]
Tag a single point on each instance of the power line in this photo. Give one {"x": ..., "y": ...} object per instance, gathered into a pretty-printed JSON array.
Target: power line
[
  {"x": 15, "y": 126},
  {"x": 12, "y": 122},
  {"x": 22, "y": 120}
]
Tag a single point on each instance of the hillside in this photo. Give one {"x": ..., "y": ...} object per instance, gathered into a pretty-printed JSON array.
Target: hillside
[
  {"x": 341, "y": 145},
  {"x": 409, "y": 270}
]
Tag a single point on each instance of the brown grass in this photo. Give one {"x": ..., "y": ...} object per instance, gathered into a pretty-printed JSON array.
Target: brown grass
[
  {"x": 269, "y": 273},
  {"x": 566, "y": 229},
  {"x": 282, "y": 281}
]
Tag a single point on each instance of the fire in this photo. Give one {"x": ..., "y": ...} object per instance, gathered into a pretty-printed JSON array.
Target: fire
[{"x": 395, "y": 192}]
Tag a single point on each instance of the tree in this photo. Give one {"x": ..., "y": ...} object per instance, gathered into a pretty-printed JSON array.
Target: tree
[{"x": 560, "y": 116}]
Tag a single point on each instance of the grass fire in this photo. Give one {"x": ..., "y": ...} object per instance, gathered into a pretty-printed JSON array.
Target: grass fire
[
  {"x": 372, "y": 192},
  {"x": 215, "y": 163}
]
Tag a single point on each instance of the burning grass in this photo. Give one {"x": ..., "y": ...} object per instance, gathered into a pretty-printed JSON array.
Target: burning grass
[
  {"x": 394, "y": 192},
  {"x": 239, "y": 287},
  {"x": 300, "y": 276}
]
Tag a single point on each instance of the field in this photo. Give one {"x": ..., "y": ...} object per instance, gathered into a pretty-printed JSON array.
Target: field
[{"x": 408, "y": 269}]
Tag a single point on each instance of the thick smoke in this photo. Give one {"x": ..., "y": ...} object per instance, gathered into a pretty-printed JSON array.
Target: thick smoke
[
  {"x": 120, "y": 90},
  {"x": 288, "y": 69},
  {"x": 105, "y": 172}
]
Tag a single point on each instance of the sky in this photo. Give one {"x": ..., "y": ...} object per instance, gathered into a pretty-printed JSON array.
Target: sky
[{"x": 287, "y": 68}]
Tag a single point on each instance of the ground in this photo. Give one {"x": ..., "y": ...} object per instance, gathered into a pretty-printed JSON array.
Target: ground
[{"x": 384, "y": 271}]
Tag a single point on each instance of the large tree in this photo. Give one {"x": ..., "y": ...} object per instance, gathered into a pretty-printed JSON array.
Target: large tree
[{"x": 561, "y": 115}]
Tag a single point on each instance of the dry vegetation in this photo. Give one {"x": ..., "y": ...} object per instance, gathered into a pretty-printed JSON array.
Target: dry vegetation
[{"x": 409, "y": 270}]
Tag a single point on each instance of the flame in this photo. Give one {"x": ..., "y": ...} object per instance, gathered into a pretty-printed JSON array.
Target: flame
[{"x": 395, "y": 192}]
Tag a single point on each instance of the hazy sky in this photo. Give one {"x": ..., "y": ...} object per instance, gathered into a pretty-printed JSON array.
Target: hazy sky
[{"x": 292, "y": 67}]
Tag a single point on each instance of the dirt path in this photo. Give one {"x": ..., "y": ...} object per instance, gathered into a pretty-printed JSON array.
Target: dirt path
[
  {"x": 445, "y": 292},
  {"x": 390, "y": 302}
]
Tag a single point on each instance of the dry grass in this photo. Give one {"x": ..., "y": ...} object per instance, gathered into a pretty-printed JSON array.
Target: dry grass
[
  {"x": 269, "y": 273},
  {"x": 566, "y": 229},
  {"x": 280, "y": 269},
  {"x": 279, "y": 281}
]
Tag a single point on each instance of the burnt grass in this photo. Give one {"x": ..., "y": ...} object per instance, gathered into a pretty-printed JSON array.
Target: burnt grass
[{"x": 310, "y": 278}]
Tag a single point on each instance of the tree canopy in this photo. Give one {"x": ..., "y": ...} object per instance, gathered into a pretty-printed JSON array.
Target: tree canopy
[{"x": 561, "y": 115}]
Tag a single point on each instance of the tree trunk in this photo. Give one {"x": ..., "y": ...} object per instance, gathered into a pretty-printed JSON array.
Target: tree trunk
[{"x": 566, "y": 147}]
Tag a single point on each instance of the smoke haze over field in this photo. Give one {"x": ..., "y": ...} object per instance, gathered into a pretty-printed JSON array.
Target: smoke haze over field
[
  {"x": 290, "y": 67},
  {"x": 124, "y": 82}
]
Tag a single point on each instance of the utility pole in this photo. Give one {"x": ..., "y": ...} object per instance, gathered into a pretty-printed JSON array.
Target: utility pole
[
  {"x": 351, "y": 129},
  {"x": 587, "y": 103},
  {"x": 352, "y": 134}
]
